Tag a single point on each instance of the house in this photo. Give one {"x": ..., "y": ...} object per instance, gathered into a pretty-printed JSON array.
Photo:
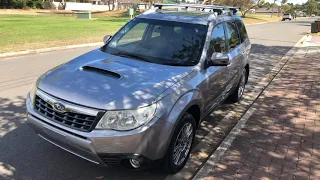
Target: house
[
  {"x": 268, "y": 10},
  {"x": 301, "y": 14},
  {"x": 252, "y": 11}
]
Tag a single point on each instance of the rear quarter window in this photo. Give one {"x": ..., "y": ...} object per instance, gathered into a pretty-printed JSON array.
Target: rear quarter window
[{"x": 242, "y": 30}]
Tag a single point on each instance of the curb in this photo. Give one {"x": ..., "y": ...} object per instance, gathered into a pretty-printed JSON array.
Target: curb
[
  {"x": 224, "y": 146},
  {"x": 35, "y": 51}
]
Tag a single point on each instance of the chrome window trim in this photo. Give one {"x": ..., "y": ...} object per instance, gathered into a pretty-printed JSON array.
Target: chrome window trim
[{"x": 69, "y": 107}]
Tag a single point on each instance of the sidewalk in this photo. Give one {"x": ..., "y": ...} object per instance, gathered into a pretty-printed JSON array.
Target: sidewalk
[{"x": 281, "y": 139}]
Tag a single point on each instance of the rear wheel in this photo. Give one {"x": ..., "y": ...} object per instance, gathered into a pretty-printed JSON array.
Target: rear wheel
[
  {"x": 238, "y": 92},
  {"x": 180, "y": 145}
]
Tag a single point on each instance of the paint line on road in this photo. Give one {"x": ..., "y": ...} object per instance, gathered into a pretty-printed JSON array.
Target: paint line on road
[
  {"x": 258, "y": 23},
  {"x": 36, "y": 51},
  {"x": 224, "y": 146}
]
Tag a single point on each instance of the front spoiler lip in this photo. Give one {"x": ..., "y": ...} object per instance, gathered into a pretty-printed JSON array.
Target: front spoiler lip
[
  {"x": 79, "y": 146},
  {"x": 68, "y": 150}
]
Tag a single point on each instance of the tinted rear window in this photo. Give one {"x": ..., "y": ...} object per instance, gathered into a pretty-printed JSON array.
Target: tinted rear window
[{"x": 242, "y": 30}]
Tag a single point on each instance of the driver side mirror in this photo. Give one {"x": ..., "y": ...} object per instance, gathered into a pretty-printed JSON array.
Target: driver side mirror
[
  {"x": 219, "y": 59},
  {"x": 106, "y": 39}
]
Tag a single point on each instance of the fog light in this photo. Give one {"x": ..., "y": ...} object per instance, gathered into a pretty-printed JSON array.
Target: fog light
[{"x": 134, "y": 163}]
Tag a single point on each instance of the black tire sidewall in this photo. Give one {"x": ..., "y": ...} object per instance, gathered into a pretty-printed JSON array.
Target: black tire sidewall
[
  {"x": 234, "y": 96},
  {"x": 169, "y": 164}
]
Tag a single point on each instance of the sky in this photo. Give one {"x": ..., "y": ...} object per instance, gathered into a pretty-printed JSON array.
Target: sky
[{"x": 290, "y": 1}]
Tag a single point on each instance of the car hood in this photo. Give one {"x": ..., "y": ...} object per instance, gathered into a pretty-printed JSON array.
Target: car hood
[{"x": 104, "y": 81}]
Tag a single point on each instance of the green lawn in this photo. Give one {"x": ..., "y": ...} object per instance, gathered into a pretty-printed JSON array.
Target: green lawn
[
  {"x": 257, "y": 18},
  {"x": 25, "y": 32},
  {"x": 22, "y": 32}
]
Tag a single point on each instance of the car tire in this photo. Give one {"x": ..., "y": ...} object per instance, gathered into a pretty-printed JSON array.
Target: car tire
[
  {"x": 176, "y": 157},
  {"x": 239, "y": 90}
]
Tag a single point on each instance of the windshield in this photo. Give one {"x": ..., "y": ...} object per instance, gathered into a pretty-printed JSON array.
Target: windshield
[{"x": 158, "y": 41}]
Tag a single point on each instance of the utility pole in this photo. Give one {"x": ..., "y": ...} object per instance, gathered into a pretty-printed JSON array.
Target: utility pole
[{"x": 274, "y": 3}]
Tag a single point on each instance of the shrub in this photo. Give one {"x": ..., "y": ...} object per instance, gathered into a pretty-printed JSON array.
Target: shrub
[
  {"x": 17, "y": 4},
  {"x": 34, "y": 4},
  {"x": 20, "y": 4}
]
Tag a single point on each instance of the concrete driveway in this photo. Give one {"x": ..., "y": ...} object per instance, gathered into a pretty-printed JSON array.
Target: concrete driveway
[{"x": 24, "y": 155}]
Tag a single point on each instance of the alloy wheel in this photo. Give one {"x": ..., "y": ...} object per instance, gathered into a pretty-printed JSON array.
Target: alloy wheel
[
  {"x": 242, "y": 85},
  {"x": 183, "y": 144}
]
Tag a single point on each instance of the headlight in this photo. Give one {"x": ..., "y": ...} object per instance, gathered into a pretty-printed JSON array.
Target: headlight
[
  {"x": 127, "y": 119},
  {"x": 32, "y": 92}
]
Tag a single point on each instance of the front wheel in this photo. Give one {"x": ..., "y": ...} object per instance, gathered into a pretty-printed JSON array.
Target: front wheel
[
  {"x": 180, "y": 144},
  {"x": 238, "y": 92}
]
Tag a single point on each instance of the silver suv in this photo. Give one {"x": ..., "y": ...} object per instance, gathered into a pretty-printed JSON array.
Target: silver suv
[{"x": 141, "y": 96}]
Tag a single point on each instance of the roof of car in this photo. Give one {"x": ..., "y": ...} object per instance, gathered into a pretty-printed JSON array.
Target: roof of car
[
  {"x": 195, "y": 17},
  {"x": 188, "y": 17}
]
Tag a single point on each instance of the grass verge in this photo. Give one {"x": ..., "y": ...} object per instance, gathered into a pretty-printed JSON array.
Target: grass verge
[
  {"x": 258, "y": 18},
  {"x": 25, "y": 32}
]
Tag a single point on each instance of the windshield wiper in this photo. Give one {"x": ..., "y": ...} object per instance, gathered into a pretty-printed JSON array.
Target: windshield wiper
[{"x": 128, "y": 55}]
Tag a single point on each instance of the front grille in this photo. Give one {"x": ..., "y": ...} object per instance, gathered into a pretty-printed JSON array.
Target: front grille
[{"x": 73, "y": 120}]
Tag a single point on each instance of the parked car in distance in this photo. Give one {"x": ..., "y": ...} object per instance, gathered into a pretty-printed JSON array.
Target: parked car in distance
[
  {"x": 141, "y": 96},
  {"x": 313, "y": 15},
  {"x": 286, "y": 16}
]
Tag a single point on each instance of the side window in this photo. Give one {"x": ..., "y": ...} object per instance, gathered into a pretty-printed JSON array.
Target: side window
[
  {"x": 233, "y": 38},
  {"x": 156, "y": 31},
  {"x": 135, "y": 34},
  {"x": 218, "y": 40},
  {"x": 242, "y": 29}
]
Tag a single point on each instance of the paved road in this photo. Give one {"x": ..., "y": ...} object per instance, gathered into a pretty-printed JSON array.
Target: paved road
[{"x": 23, "y": 155}]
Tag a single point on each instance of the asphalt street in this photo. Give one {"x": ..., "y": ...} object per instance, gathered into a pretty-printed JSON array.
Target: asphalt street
[{"x": 24, "y": 155}]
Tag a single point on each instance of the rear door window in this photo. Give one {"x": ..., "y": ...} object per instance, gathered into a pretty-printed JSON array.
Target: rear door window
[
  {"x": 242, "y": 30},
  {"x": 233, "y": 37}
]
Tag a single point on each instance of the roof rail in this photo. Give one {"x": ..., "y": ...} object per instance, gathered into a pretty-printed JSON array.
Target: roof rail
[{"x": 215, "y": 8}]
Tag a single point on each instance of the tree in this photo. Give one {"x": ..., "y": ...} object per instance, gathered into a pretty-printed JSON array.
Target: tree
[
  {"x": 288, "y": 9},
  {"x": 271, "y": 6},
  {"x": 313, "y": 9},
  {"x": 265, "y": 5},
  {"x": 245, "y": 5},
  {"x": 283, "y": 2}
]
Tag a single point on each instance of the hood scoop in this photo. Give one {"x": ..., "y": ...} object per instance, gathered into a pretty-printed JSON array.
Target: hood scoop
[{"x": 101, "y": 71}]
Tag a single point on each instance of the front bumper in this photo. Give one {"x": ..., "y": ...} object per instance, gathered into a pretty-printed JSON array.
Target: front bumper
[{"x": 105, "y": 147}]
